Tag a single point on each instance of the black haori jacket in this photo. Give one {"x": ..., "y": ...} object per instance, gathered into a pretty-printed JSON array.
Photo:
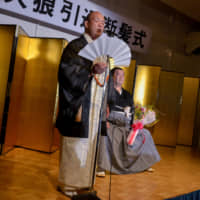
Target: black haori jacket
[{"x": 74, "y": 90}]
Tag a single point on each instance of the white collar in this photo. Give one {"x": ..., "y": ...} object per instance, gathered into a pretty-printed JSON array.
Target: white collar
[
  {"x": 119, "y": 92},
  {"x": 88, "y": 38}
]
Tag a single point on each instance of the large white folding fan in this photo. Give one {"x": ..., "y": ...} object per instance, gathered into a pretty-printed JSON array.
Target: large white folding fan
[{"x": 108, "y": 46}]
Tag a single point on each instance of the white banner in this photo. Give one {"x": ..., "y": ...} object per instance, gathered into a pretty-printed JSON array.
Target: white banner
[{"x": 70, "y": 14}]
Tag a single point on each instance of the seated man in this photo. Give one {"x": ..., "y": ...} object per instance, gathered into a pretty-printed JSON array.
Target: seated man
[{"x": 115, "y": 154}]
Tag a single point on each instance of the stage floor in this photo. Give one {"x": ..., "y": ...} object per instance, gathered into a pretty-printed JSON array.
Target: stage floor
[{"x": 31, "y": 175}]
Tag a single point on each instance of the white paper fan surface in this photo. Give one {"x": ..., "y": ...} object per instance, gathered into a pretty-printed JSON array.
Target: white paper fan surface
[{"x": 108, "y": 46}]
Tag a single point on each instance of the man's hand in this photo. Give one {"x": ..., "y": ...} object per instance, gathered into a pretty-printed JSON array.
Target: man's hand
[{"x": 99, "y": 68}]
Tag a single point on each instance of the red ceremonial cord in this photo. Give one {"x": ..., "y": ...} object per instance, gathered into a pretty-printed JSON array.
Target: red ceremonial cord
[{"x": 98, "y": 83}]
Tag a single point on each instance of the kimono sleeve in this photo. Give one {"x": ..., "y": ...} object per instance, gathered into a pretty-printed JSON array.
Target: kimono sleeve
[{"x": 74, "y": 70}]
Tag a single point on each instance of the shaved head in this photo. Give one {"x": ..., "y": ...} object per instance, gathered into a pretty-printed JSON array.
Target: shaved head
[{"x": 94, "y": 24}]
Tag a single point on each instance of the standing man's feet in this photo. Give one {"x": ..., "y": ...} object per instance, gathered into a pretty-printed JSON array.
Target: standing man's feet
[
  {"x": 101, "y": 174},
  {"x": 69, "y": 193}
]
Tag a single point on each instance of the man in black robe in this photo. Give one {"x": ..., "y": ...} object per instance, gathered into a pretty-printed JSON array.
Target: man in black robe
[
  {"x": 79, "y": 105},
  {"x": 115, "y": 154}
]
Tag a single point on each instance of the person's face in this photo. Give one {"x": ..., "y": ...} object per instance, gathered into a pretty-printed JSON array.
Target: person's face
[
  {"x": 118, "y": 77},
  {"x": 95, "y": 25}
]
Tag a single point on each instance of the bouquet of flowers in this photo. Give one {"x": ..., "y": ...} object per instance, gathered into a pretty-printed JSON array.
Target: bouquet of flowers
[
  {"x": 147, "y": 115},
  {"x": 144, "y": 116}
]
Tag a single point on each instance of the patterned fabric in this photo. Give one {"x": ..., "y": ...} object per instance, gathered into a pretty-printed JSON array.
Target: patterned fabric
[
  {"x": 78, "y": 154},
  {"x": 118, "y": 157},
  {"x": 78, "y": 140},
  {"x": 119, "y": 118},
  {"x": 115, "y": 154}
]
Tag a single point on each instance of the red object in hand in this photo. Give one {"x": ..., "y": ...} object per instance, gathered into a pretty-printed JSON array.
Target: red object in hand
[{"x": 132, "y": 135}]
